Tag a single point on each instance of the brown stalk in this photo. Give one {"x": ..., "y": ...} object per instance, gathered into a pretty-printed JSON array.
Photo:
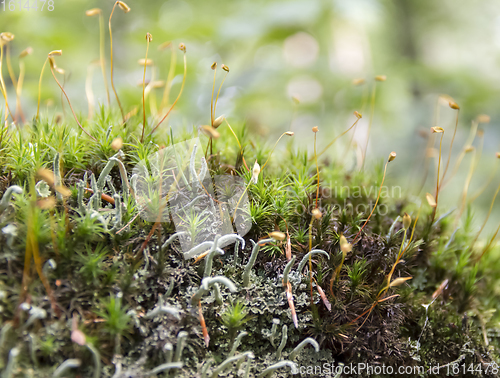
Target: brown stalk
[
  {"x": 392, "y": 156},
  {"x": 439, "y": 130},
  {"x": 2, "y": 85},
  {"x": 149, "y": 38},
  {"x": 182, "y": 47},
  {"x": 19, "y": 87},
  {"x": 289, "y": 133},
  {"x": 488, "y": 246},
  {"x": 468, "y": 180},
  {"x": 40, "y": 89},
  {"x": 468, "y": 143},
  {"x": 451, "y": 144},
  {"x": 111, "y": 54},
  {"x": 487, "y": 217},
  {"x": 381, "y": 295},
  {"x": 358, "y": 117},
  {"x": 488, "y": 182},
  {"x": 69, "y": 102},
  {"x": 170, "y": 77}
]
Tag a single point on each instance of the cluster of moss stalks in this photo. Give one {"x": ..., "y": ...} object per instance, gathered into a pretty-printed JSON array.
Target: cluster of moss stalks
[{"x": 90, "y": 288}]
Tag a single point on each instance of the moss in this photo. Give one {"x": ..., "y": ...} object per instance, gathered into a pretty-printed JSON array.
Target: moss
[{"x": 111, "y": 269}]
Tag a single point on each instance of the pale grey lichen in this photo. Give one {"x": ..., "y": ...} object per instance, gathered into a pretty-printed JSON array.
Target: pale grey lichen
[
  {"x": 65, "y": 366},
  {"x": 209, "y": 259},
  {"x": 207, "y": 282},
  {"x": 7, "y": 196},
  {"x": 305, "y": 259},
  {"x": 251, "y": 261},
  {"x": 181, "y": 343},
  {"x": 288, "y": 267},
  {"x": 237, "y": 343},
  {"x": 11, "y": 363},
  {"x": 271, "y": 369},
  {"x": 164, "y": 367},
  {"x": 301, "y": 346},
  {"x": 284, "y": 338},
  {"x": 274, "y": 330},
  {"x": 229, "y": 361},
  {"x": 161, "y": 308}
]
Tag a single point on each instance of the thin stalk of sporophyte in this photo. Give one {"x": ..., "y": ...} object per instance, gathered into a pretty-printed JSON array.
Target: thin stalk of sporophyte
[
  {"x": 468, "y": 143},
  {"x": 345, "y": 248},
  {"x": 63, "y": 73},
  {"x": 358, "y": 117},
  {"x": 239, "y": 144},
  {"x": 392, "y": 156},
  {"x": 40, "y": 89},
  {"x": 216, "y": 122},
  {"x": 400, "y": 255},
  {"x": 49, "y": 56},
  {"x": 226, "y": 69},
  {"x": 473, "y": 132},
  {"x": 488, "y": 182},
  {"x": 372, "y": 112},
  {"x": 149, "y": 38},
  {"x": 67, "y": 98},
  {"x": 5, "y": 38},
  {"x": 9, "y": 66},
  {"x": 488, "y": 246},
  {"x": 441, "y": 131},
  {"x": 468, "y": 180},
  {"x": 288, "y": 133},
  {"x": 406, "y": 226},
  {"x": 474, "y": 165},
  {"x": 381, "y": 295},
  {"x": 370, "y": 121},
  {"x": 171, "y": 73},
  {"x": 430, "y": 143},
  {"x": 19, "y": 88},
  {"x": 364, "y": 100},
  {"x": 452, "y": 105},
  {"x": 102, "y": 57},
  {"x": 125, "y": 8},
  {"x": 182, "y": 47},
  {"x": 214, "y": 68},
  {"x": 316, "y": 214},
  {"x": 2, "y": 85},
  {"x": 487, "y": 217},
  {"x": 315, "y": 131}
]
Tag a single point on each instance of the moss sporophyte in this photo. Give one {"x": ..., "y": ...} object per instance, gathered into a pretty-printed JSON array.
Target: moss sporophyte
[{"x": 133, "y": 248}]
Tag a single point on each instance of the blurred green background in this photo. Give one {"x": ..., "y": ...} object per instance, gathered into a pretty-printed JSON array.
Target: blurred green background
[{"x": 308, "y": 49}]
